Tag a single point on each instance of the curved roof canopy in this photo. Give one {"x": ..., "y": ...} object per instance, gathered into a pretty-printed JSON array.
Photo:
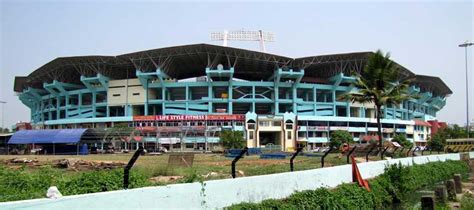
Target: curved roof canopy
[
  {"x": 188, "y": 61},
  {"x": 56, "y": 136}
]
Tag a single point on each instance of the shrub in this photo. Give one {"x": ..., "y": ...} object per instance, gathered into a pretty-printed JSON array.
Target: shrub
[
  {"x": 402, "y": 140},
  {"x": 232, "y": 139},
  {"x": 22, "y": 184},
  {"x": 396, "y": 182},
  {"x": 467, "y": 201}
]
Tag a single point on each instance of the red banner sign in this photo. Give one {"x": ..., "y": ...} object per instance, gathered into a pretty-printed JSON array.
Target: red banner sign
[
  {"x": 143, "y": 118},
  {"x": 226, "y": 117},
  {"x": 189, "y": 117},
  {"x": 179, "y": 117}
]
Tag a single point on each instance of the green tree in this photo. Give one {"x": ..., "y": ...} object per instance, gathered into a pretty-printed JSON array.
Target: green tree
[
  {"x": 456, "y": 132},
  {"x": 340, "y": 137},
  {"x": 232, "y": 139},
  {"x": 437, "y": 142},
  {"x": 402, "y": 140},
  {"x": 381, "y": 84}
]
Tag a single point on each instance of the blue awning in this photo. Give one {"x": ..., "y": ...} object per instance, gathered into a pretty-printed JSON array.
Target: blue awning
[{"x": 57, "y": 136}]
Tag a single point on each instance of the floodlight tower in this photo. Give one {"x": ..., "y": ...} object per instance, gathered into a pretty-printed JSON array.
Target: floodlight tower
[{"x": 242, "y": 35}]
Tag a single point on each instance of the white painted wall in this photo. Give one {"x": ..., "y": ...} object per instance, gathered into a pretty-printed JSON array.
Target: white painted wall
[{"x": 221, "y": 193}]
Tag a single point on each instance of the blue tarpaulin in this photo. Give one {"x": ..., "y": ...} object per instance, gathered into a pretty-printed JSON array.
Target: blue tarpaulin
[{"x": 57, "y": 136}]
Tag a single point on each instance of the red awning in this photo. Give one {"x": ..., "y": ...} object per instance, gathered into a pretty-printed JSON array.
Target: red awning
[
  {"x": 422, "y": 123},
  {"x": 368, "y": 138}
]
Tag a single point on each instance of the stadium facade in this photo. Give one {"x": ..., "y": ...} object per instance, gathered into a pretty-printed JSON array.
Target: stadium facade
[{"x": 183, "y": 96}]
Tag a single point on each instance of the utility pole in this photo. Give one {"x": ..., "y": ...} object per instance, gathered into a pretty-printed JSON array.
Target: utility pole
[{"x": 465, "y": 45}]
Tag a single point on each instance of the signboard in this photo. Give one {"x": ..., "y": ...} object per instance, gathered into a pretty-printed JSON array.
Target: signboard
[
  {"x": 317, "y": 128},
  {"x": 338, "y": 128},
  {"x": 181, "y": 160},
  {"x": 388, "y": 130},
  {"x": 401, "y": 130},
  {"x": 189, "y": 117},
  {"x": 179, "y": 117},
  {"x": 225, "y": 117},
  {"x": 143, "y": 118}
]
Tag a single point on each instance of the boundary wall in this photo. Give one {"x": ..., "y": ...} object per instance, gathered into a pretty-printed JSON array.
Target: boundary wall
[{"x": 221, "y": 193}]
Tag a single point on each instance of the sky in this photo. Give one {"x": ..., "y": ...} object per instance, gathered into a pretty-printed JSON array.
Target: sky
[{"x": 423, "y": 36}]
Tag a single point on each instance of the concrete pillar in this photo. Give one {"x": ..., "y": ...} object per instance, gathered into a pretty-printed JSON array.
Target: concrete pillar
[
  {"x": 427, "y": 202},
  {"x": 451, "y": 188},
  {"x": 441, "y": 193},
  {"x": 457, "y": 183}
]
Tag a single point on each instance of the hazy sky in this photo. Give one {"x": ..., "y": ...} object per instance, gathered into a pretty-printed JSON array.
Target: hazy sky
[{"x": 422, "y": 36}]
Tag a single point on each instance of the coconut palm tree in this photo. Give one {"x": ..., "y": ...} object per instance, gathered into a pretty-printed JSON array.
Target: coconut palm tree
[{"x": 380, "y": 83}]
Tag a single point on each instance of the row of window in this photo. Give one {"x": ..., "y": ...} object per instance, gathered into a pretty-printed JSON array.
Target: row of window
[
  {"x": 348, "y": 124},
  {"x": 251, "y": 126},
  {"x": 118, "y": 94}
]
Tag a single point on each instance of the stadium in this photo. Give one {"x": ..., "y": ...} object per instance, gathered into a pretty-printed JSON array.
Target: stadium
[{"x": 182, "y": 97}]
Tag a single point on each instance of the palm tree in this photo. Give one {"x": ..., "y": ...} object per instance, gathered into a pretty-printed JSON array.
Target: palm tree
[{"x": 380, "y": 83}]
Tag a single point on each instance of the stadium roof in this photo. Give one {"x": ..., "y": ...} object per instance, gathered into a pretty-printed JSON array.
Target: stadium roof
[{"x": 188, "y": 61}]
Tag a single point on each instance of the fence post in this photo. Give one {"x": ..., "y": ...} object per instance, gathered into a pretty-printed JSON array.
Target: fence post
[
  {"x": 237, "y": 159},
  {"x": 324, "y": 156},
  {"x": 129, "y": 165},
  {"x": 293, "y": 157},
  {"x": 401, "y": 151},
  {"x": 393, "y": 153},
  {"x": 368, "y": 153},
  {"x": 408, "y": 152},
  {"x": 383, "y": 152},
  {"x": 416, "y": 149},
  {"x": 350, "y": 152}
]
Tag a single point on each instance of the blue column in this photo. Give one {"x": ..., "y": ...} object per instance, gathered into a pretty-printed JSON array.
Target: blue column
[
  {"x": 66, "y": 111},
  {"x": 348, "y": 109},
  {"x": 253, "y": 98},
  {"x": 210, "y": 97},
  {"x": 145, "y": 110},
  {"x": 94, "y": 107},
  {"x": 229, "y": 97},
  {"x": 163, "y": 99},
  {"x": 276, "y": 98},
  {"x": 334, "y": 103},
  {"x": 58, "y": 105},
  {"x": 315, "y": 108},
  {"x": 79, "y": 104},
  {"x": 187, "y": 99},
  {"x": 295, "y": 110}
]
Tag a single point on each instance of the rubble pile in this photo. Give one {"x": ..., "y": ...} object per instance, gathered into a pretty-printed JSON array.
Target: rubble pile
[
  {"x": 77, "y": 164},
  {"x": 17, "y": 161}
]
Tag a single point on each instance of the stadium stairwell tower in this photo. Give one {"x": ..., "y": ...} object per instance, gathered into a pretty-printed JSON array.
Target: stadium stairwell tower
[{"x": 181, "y": 97}]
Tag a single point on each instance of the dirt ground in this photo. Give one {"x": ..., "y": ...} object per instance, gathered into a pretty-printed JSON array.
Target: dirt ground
[{"x": 153, "y": 166}]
